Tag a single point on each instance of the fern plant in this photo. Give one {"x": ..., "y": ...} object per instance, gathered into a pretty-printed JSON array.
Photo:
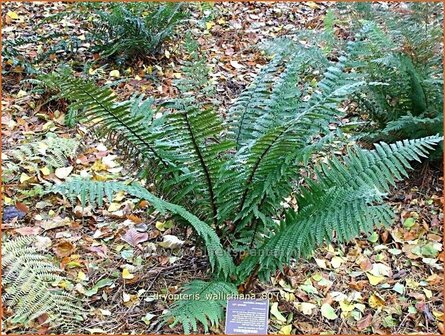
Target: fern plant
[
  {"x": 29, "y": 283},
  {"x": 404, "y": 52},
  {"x": 53, "y": 152},
  {"x": 228, "y": 178},
  {"x": 124, "y": 31}
]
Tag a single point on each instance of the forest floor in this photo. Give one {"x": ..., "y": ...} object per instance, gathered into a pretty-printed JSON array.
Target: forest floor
[{"x": 388, "y": 282}]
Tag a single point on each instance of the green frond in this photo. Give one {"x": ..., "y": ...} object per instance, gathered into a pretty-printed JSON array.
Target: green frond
[
  {"x": 93, "y": 192},
  {"x": 344, "y": 200},
  {"x": 275, "y": 152},
  {"x": 203, "y": 302},
  {"x": 120, "y": 120},
  {"x": 194, "y": 140},
  {"x": 123, "y": 31},
  {"x": 249, "y": 105},
  {"x": 29, "y": 280}
]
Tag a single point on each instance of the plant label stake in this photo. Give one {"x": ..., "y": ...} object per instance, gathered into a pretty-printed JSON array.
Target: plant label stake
[{"x": 247, "y": 317}]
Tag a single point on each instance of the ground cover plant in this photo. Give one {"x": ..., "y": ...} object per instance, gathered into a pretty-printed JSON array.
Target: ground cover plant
[{"x": 220, "y": 166}]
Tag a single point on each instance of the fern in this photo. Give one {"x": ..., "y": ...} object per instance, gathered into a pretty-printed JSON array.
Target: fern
[
  {"x": 53, "y": 151},
  {"x": 28, "y": 280},
  {"x": 228, "y": 179},
  {"x": 202, "y": 301},
  {"x": 397, "y": 51},
  {"x": 352, "y": 189},
  {"x": 93, "y": 192}
]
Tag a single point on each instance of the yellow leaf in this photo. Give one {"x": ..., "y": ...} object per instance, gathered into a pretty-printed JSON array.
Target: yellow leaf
[
  {"x": 126, "y": 274},
  {"x": 92, "y": 71},
  {"x": 81, "y": 276},
  {"x": 13, "y": 15},
  {"x": 99, "y": 166},
  {"x": 8, "y": 200},
  {"x": 114, "y": 207},
  {"x": 24, "y": 177},
  {"x": 115, "y": 73},
  {"x": 346, "y": 306},
  {"x": 137, "y": 77},
  {"x": 428, "y": 293},
  {"x": 376, "y": 301},
  {"x": 286, "y": 330},
  {"x": 162, "y": 226},
  {"x": 209, "y": 25},
  {"x": 438, "y": 314},
  {"x": 374, "y": 280},
  {"x": 45, "y": 171},
  {"x": 21, "y": 94}
]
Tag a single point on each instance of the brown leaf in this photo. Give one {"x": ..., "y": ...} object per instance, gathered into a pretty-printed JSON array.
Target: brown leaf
[
  {"x": 364, "y": 322},
  {"x": 28, "y": 230},
  {"x": 21, "y": 207},
  {"x": 64, "y": 249},
  {"x": 100, "y": 250},
  {"x": 133, "y": 237}
]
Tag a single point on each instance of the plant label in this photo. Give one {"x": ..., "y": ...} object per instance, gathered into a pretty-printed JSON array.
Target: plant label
[{"x": 247, "y": 317}]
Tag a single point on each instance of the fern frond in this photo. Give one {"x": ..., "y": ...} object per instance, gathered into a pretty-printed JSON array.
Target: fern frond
[
  {"x": 96, "y": 105},
  {"x": 28, "y": 279},
  {"x": 203, "y": 302},
  {"x": 53, "y": 151},
  {"x": 277, "y": 149},
  {"x": 93, "y": 192},
  {"x": 344, "y": 200}
]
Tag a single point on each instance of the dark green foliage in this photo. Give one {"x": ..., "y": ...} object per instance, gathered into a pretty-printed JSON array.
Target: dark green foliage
[
  {"x": 128, "y": 30},
  {"x": 231, "y": 178},
  {"x": 203, "y": 302},
  {"x": 404, "y": 53}
]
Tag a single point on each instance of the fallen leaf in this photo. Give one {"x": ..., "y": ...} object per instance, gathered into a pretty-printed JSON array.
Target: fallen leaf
[
  {"x": 307, "y": 308},
  {"x": 376, "y": 301},
  {"x": 336, "y": 262},
  {"x": 285, "y": 330},
  {"x": 236, "y": 65},
  {"x": 64, "y": 172},
  {"x": 374, "y": 280},
  {"x": 126, "y": 274},
  {"x": 81, "y": 276},
  {"x": 171, "y": 242},
  {"x": 24, "y": 177},
  {"x": 28, "y": 230},
  {"x": 364, "y": 322},
  {"x": 275, "y": 312},
  {"x": 134, "y": 237},
  {"x": 42, "y": 243},
  {"x": 115, "y": 73},
  {"x": 162, "y": 226},
  {"x": 12, "y": 15},
  {"x": 64, "y": 249},
  {"x": 328, "y": 312}
]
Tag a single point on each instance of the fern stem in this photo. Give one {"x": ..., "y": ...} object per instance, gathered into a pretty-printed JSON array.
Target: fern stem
[
  {"x": 205, "y": 169},
  {"x": 128, "y": 128}
]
